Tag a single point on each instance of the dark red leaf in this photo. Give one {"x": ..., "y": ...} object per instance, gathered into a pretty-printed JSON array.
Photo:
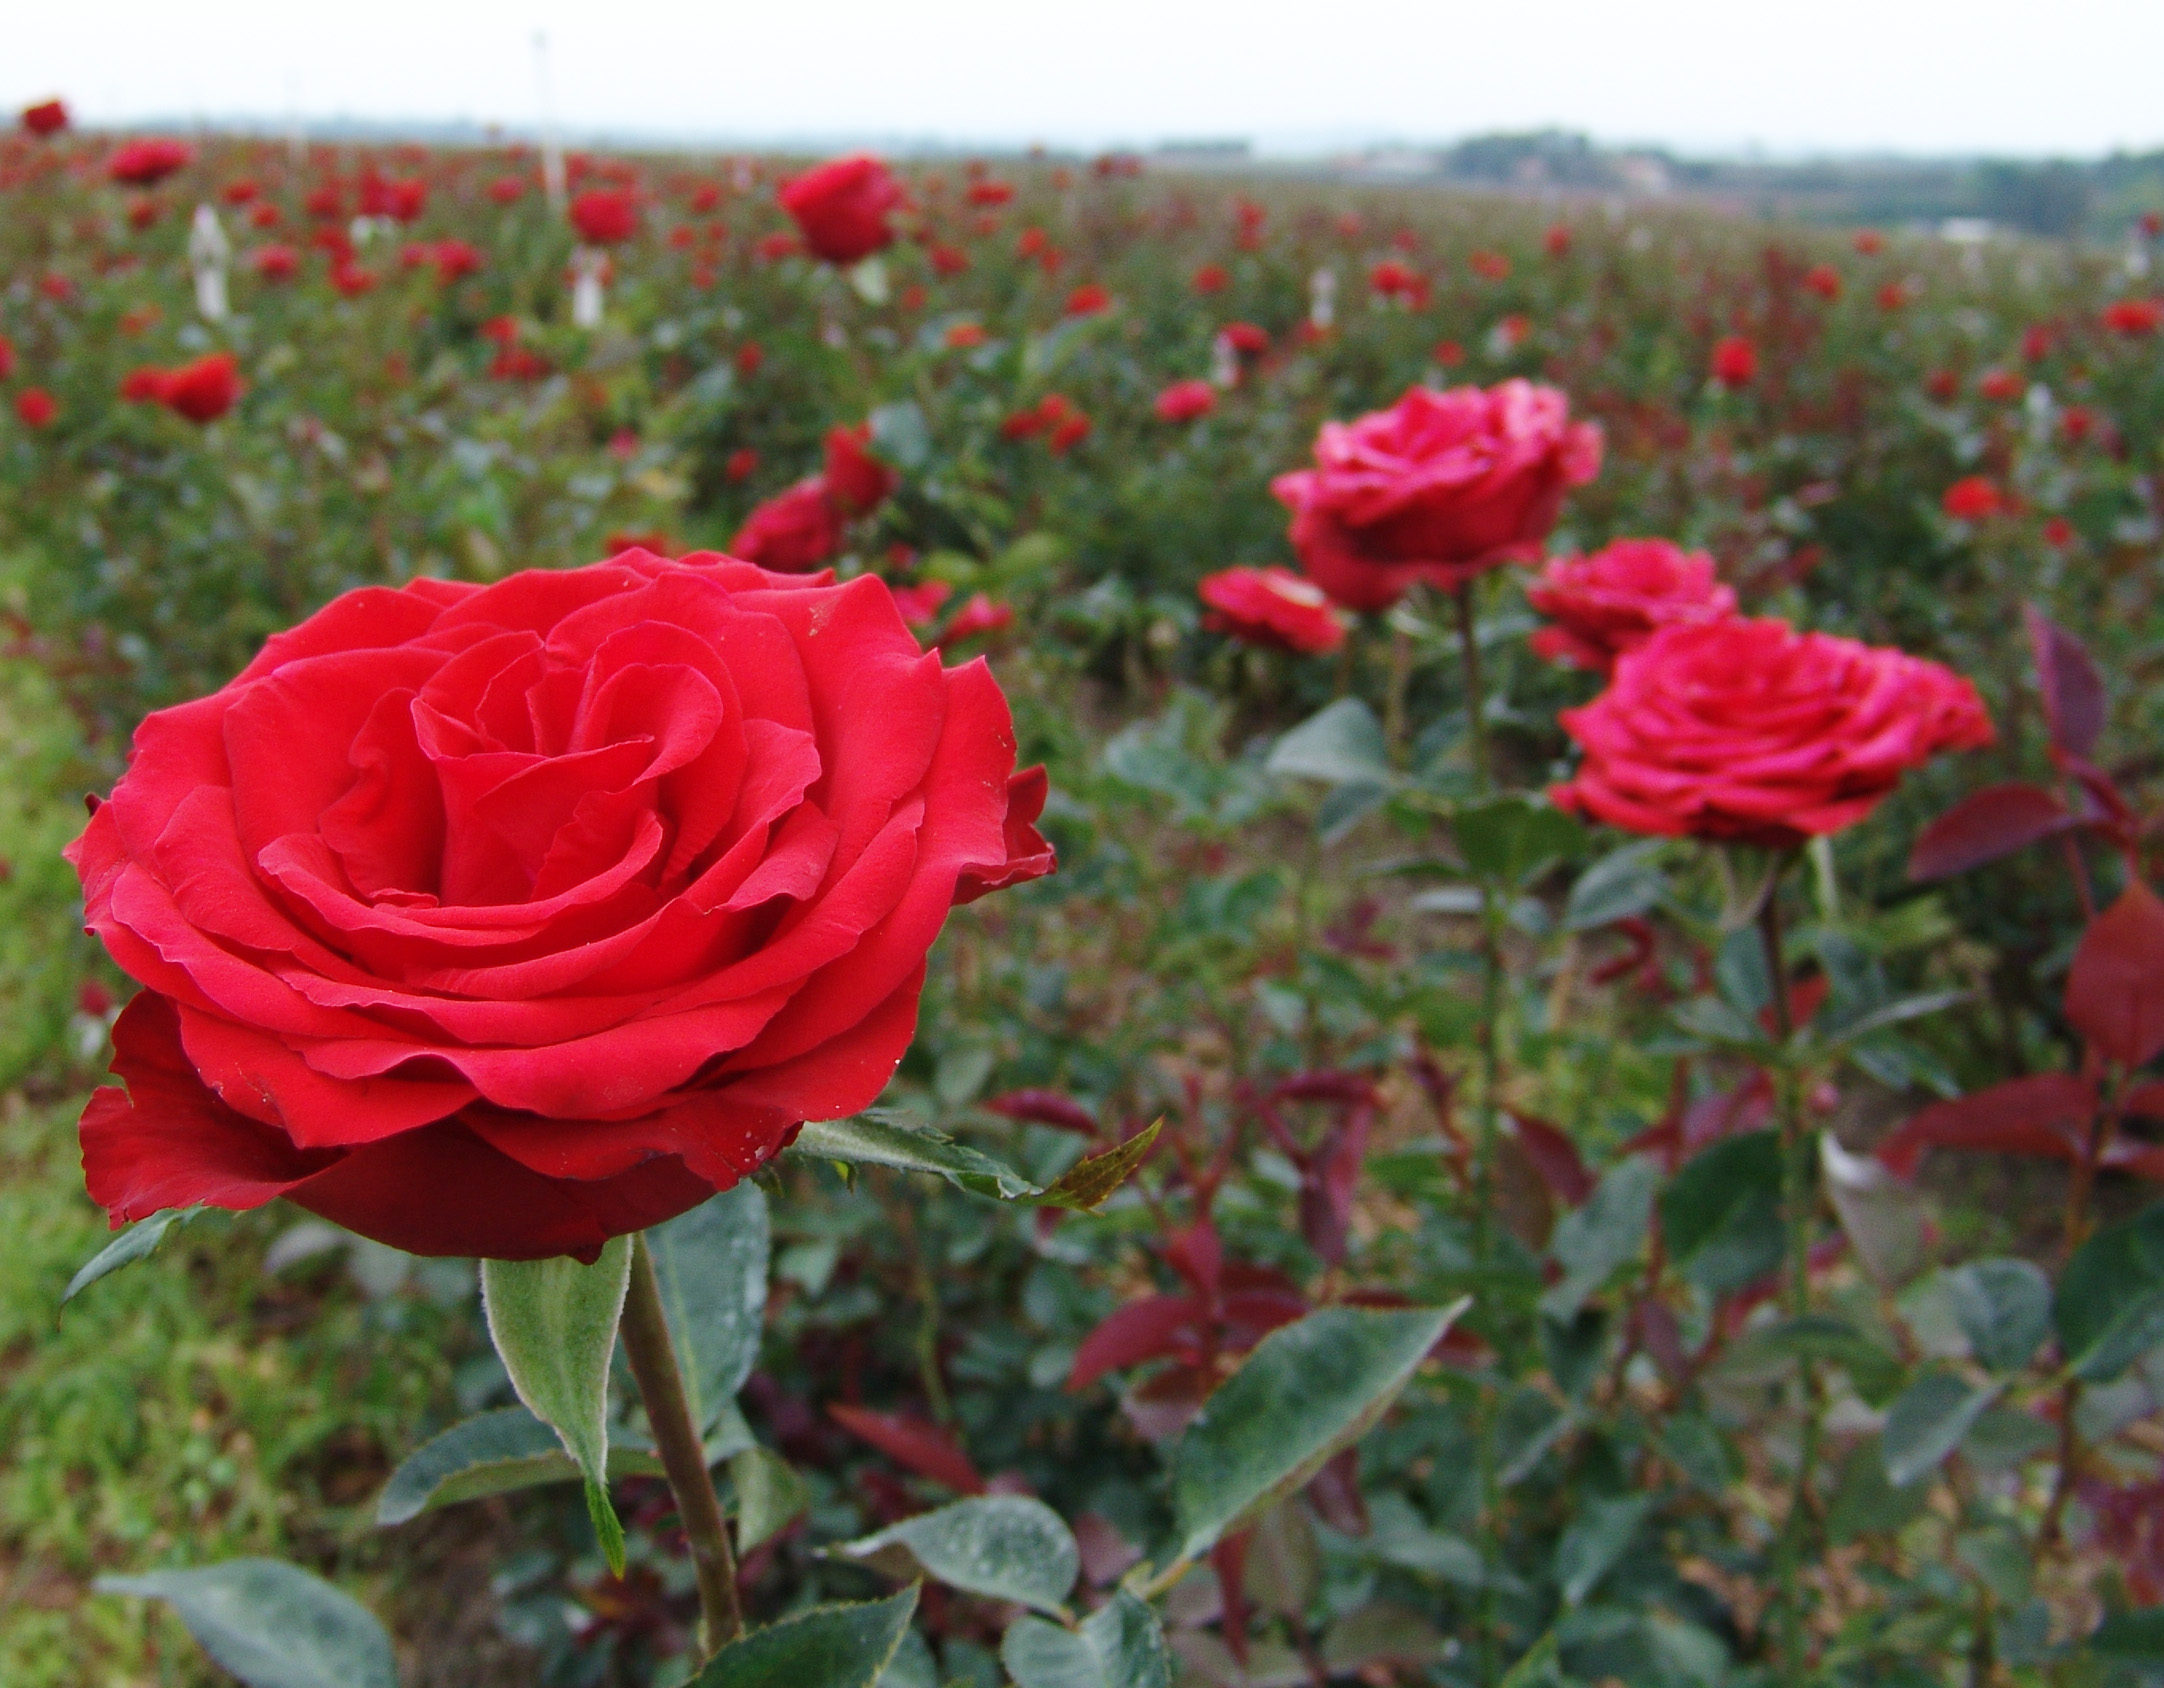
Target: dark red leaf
[
  {"x": 1805, "y": 998},
  {"x": 1252, "y": 1314},
  {"x": 1149, "y": 1329},
  {"x": 1984, "y": 826},
  {"x": 1335, "y": 1494},
  {"x": 2146, "y": 1100},
  {"x": 1555, "y": 1157},
  {"x": 1197, "y": 1256},
  {"x": 2025, "y": 1116},
  {"x": 917, "y": 1444},
  {"x": 1354, "y": 1089},
  {"x": 2128, "y": 1154},
  {"x": 1044, "y": 1107},
  {"x": 1107, "y": 1555},
  {"x": 2115, "y": 989},
  {"x": 2072, "y": 689},
  {"x": 1328, "y": 1182},
  {"x": 1166, "y": 1402},
  {"x": 1229, "y": 1560}
]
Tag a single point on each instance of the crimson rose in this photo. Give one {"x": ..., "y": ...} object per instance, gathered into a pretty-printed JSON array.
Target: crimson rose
[
  {"x": 500, "y": 921},
  {"x": 1273, "y": 607},
  {"x": 1440, "y": 487},
  {"x": 841, "y": 207},
  {"x": 1612, "y": 601},
  {"x": 1750, "y": 732}
]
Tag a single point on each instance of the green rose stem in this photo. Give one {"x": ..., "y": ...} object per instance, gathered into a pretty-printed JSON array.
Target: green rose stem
[
  {"x": 683, "y": 1455},
  {"x": 1487, "y": 1126},
  {"x": 1797, "y": 1145},
  {"x": 1476, "y": 702}
]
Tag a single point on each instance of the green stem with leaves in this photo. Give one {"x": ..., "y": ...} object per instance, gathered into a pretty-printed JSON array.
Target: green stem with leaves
[{"x": 683, "y": 1455}]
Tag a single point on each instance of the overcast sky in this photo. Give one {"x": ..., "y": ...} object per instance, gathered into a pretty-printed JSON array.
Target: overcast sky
[{"x": 1843, "y": 76}]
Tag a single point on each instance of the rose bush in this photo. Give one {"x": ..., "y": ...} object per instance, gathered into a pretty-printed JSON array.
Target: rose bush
[
  {"x": 1747, "y": 731},
  {"x": 1440, "y": 487},
  {"x": 500, "y": 921}
]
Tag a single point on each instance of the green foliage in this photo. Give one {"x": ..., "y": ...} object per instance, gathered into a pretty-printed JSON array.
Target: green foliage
[{"x": 272, "y": 1624}]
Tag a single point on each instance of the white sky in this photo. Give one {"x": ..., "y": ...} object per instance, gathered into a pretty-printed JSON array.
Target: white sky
[{"x": 1918, "y": 76}]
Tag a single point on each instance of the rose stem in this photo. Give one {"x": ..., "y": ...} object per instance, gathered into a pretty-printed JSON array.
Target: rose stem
[
  {"x": 1489, "y": 1124},
  {"x": 1796, "y": 1146},
  {"x": 683, "y": 1456},
  {"x": 1476, "y": 702}
]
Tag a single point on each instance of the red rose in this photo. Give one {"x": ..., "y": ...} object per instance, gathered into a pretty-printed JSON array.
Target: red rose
[
  {"x": 1735, "y": 362},
  {"x": 48, "y": 117},
  {"x": 1748, "y": 731},
  {"x": 920, "y": 604},
  {"x": 793, "y": 532},
  {"x": 1088, "y": 299},
  {"x": 204, "y": 390},
  {"x": 1973, "y": 498},
  {"x": 500, "y": 921},
  {"x": 275, "y": 263},
  {"x": 856, "y": 481},
  {"x": 36, "y": 407},
  {"x": 1210, "y": 278},
  {"x": 2134, "y": 317},
  {"x": 1824, "y": 280},
  {"x": 142, "y": 164},
  {"x": 1246, "y": 338},
  {"x": 605, "y": 216},
  {"x": 1273, "y": 607},
  {"x": 1184, "y": 401},
  {"x": 979, "y": 615},
  {"x": 7, "y": 357},
  {"x": 1440, "y": 487},
  {"x": 1619, "y": 597},
  {"x": 1393, "y": 280},
  {"x": 990, "y": 191},
  {"x": 842, "y": 206},
  {"x": 507, "y": 190}
]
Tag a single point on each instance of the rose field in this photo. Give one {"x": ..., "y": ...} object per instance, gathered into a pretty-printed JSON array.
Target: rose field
[{"x": 1155, "y": 929}]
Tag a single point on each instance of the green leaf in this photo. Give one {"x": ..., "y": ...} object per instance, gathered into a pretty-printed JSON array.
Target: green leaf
[
  {"x": 1721, "y": 1213},
  {"x": 1120, "y": 1645},
  {"x": 1865, "y": 1501},
  {"x": 554, "y": 1325},
  {"x": 1341, "y": 745},
  {"x": 2005, "y": 1310},
  {"x": 491, "y": 1454},
  {"x": 2136, "y": 1636},
  {"x": 1739, "y": 970},
  {"x": 1590, "y": 1242},
  {"x": 880, "y": 1138},
  {"x": 1004, "y": 1547},
  {"x": 827, "y": 1647},
  {"x": 711, "y": 1266},
  {"x": 1716, "y": 1021},
  {"x": 1507, "y": 840},
  {"x": 769, "y": 1493},
  {"x": 1085, "y": 1186},
  {"x": 1621, "y": 884},
  {"x": 2109, "y": 1310},
  {"x": 1597, "y": 1537},
  {"x": 1927, "y": 1422},
  {"x": 1772, "y": 1349},
  {"x": 137, "y": 1242},
  {"x": 272, "y": 1624},
  {"x": 1308, "y": 1389},
  {"x": 1894, "y": 1013}
]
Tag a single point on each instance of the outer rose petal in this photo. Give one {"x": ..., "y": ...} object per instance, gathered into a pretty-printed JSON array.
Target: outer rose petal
[{"x": 1029, "y": 854}]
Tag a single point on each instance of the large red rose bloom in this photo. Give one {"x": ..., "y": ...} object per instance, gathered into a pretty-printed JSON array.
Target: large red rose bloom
[
  {"x": 1440, "y": 487},
  {"x": 1750, "y": 732},
  {"x": 500, "y": 921},
  {"x": 841, "y": 207},
  {"x": 143, "y": 164}
]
